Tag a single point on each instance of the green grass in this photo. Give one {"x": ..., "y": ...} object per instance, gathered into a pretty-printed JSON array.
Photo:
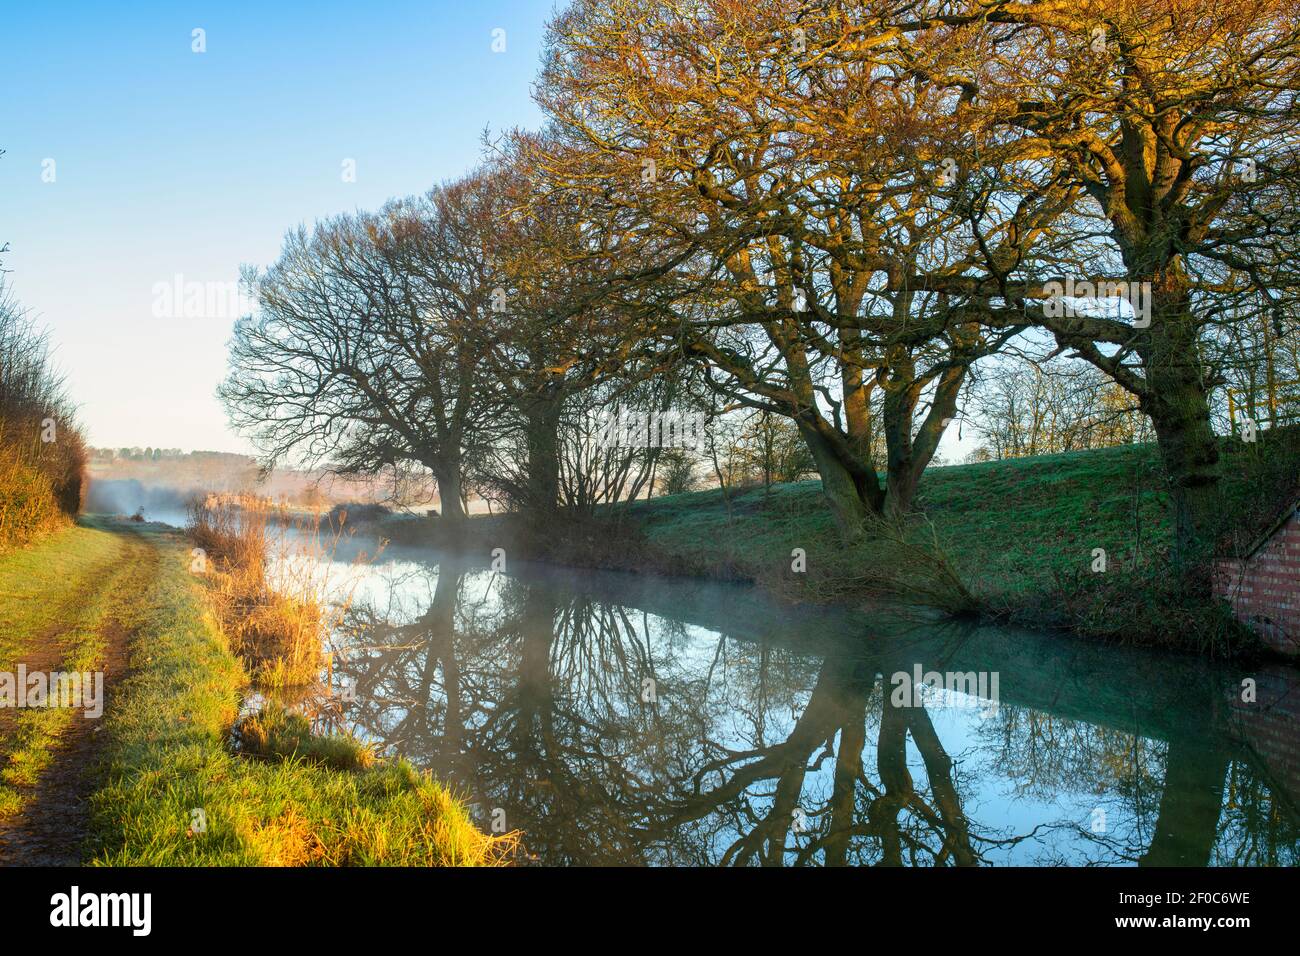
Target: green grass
[
  {"x": 1020, "y": 534},
  {"x": 39, "y": 584},
  {"x": 1007, "y": 526},
  {"x": 170, "y": 755},
  {"x": 56, "y": 599}
]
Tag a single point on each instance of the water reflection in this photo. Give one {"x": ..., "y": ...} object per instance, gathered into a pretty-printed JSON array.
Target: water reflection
[{"x": 620, "y": 720}]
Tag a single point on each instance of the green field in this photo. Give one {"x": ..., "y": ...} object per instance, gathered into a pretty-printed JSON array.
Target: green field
[
  {"x": 1009, "y": 526},
  {"x": 1020, "y": 534}
]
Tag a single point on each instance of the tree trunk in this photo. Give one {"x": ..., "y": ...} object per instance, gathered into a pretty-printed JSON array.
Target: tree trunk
[
  {"x": 851, "y": 492},
  {"x": 1190, "y": 454},
  {"x": 901, "y": 488},
  {"x": 543, "y": 485},
  {"x": 908, "y": 457},
  {"x": 1177, "y": 400},
  {"x": 901, "y": 473},
  {"x": 454, "y": 519}
]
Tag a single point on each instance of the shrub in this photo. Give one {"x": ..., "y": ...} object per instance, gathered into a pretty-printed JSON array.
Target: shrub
[
  {"x": 677, "y": 474},
  {"x": 42, "y": 453},
  {"x": 357, "y": 513}
]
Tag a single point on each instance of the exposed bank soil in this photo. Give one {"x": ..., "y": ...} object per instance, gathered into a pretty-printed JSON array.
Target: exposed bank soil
[{"x": 51, "y": 827}]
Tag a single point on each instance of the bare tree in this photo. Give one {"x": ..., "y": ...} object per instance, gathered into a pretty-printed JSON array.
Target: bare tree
[
  {"x": 1027, "y": 407},
  {"x": 363, "y": 354},
  {"x": 788, "y": 214},
  {"x": 1165, "y": 135}
]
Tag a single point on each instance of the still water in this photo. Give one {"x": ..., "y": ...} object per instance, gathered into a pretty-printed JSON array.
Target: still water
[{"x": 621, "y": 719}]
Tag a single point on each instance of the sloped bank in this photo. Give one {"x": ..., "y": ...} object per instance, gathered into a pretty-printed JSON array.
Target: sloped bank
[
  {"x": 177, "y": 794},
  {"x": 1073, "y": 542}
]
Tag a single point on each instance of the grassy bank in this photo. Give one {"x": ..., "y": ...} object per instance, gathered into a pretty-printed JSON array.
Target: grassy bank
[
  {"x": 1020, "y": 536},
  {"x": 277, "y": 630},
  {"x": 285, "y": 797},
  {"x": 296, "y": 800}
]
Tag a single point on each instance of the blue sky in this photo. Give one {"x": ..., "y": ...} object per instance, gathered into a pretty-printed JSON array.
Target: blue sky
[{"x": 169, "y": 162}]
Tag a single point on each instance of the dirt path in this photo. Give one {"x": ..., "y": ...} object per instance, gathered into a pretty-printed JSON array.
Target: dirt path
[
  {"x": 51, "y": 828},
  {"x": 45, "y": 657}
]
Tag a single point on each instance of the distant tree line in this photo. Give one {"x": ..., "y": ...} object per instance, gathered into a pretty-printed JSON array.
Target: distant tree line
[{"x": 136, "y": 453}]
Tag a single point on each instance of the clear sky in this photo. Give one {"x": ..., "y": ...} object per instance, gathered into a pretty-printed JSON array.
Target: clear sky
[{"x": 169, "y": 162}]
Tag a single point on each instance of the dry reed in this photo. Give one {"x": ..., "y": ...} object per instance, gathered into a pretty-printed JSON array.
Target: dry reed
[{"x": 268, "y": 581}]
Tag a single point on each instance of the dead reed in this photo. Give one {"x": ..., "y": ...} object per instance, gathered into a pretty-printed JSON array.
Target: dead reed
[{"x": 269, "y": 581}]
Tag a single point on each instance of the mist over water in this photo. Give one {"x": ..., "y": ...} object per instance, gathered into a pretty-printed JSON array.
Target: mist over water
[{"x": 126, "y": 496}]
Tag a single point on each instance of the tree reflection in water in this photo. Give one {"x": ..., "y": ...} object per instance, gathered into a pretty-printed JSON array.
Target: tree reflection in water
[{"x": 610, "y": 735}]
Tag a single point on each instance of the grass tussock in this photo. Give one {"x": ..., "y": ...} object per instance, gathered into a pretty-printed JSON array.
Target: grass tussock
[
  {"x": 276, "y": 733},
  {"x": 275, "y": 623},
  {"x": 178, "y": 794}
]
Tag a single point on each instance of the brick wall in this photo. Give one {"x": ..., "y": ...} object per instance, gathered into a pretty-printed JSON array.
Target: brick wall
[
  {"x": 1264, "y": 590},
  {"x": 1270, "y": 726}
]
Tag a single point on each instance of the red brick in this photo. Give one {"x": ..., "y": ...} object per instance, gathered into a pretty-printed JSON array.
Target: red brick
[{"x": 1264, "y": 590}]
